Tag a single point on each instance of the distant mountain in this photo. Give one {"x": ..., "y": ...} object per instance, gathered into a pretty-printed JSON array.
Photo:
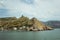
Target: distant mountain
[{"x": 54, "y": 24}]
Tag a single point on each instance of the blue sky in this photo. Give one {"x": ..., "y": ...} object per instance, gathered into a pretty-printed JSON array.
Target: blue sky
[{"x": 43, "y": 10}]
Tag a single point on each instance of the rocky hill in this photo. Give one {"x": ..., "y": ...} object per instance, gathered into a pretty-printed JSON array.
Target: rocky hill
[
  {"x": 9, "y": 23},
  {"x": 39, "y": 25}
]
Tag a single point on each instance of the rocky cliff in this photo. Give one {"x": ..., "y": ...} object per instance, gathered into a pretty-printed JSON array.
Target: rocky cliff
[{"x": 39, "y": 25}]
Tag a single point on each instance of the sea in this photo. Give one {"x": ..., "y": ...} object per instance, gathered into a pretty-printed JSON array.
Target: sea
[{"x": 30, "y": 35}]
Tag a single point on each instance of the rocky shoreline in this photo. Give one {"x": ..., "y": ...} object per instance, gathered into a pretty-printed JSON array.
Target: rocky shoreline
[{"x": 24, "y": 29}]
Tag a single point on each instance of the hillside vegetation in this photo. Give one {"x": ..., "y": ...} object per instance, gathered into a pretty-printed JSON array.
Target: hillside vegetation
[{"x": 22, "y": 23}]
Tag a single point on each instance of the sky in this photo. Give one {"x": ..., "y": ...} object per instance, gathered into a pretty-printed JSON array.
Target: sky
[{"x": 43, "y": 10}]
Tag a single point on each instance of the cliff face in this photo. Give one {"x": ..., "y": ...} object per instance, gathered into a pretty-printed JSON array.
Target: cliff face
[{"x": 39, "y": 25}]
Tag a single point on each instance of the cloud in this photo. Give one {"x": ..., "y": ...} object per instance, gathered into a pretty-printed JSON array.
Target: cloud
[
  {"x": 3, "y": 12},
  {"x": 41, "y": 9},
  {"x": 27, "y": 1}
]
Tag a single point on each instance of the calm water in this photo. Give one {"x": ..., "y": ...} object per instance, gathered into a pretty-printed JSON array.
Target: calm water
[{"x": 41, "y": 35}]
